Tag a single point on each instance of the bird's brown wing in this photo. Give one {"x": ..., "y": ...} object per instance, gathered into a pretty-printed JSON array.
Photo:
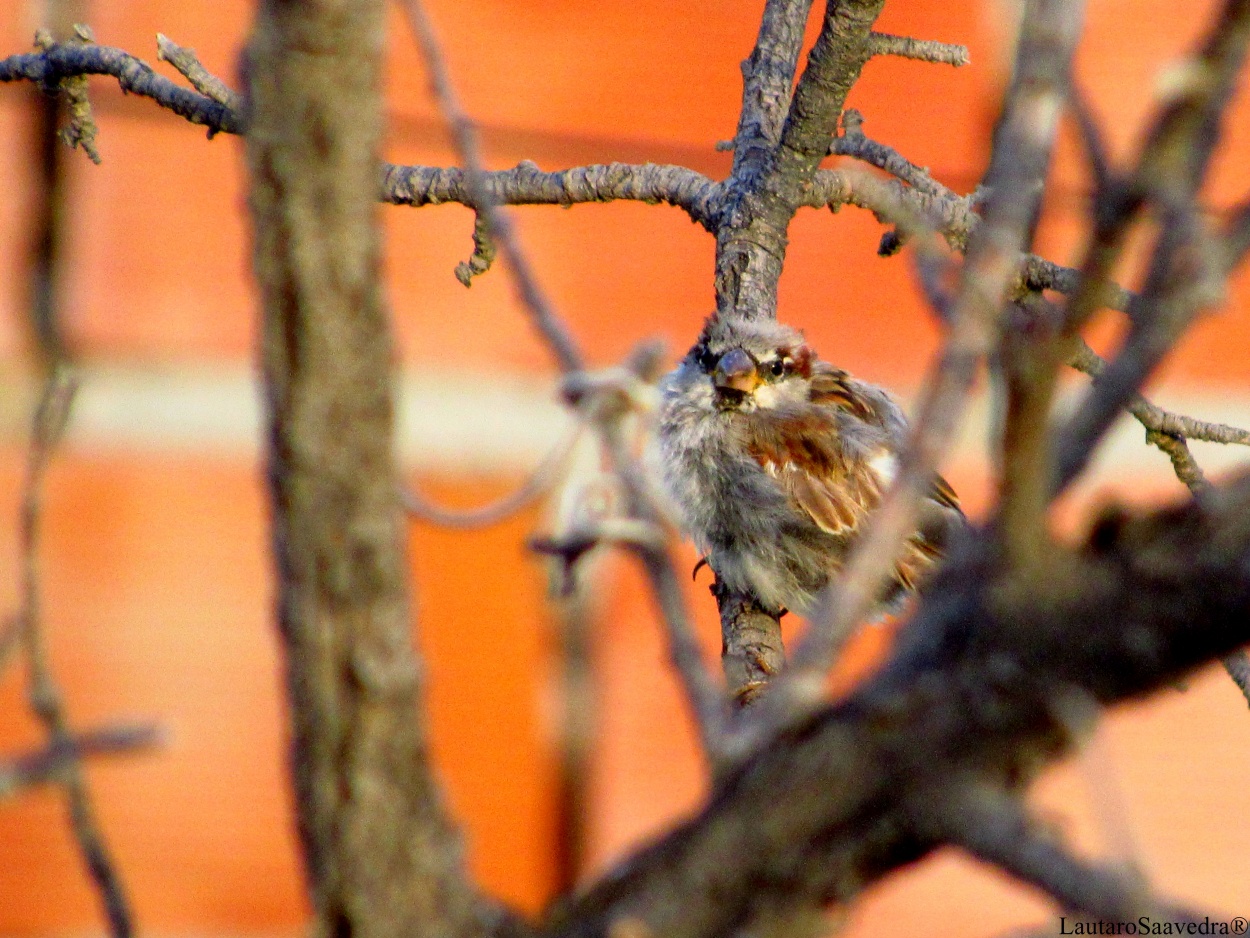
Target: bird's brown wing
[
  {"x": 832, "y": 387},
  {"x": 838, "y": 492},
  {"x": 802, "y": 453}
]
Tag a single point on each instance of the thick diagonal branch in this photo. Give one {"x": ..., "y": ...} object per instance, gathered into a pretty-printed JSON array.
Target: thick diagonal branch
[{"x": 994, "y": 679}]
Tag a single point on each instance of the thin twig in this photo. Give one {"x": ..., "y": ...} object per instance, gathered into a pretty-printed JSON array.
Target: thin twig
[
  {"x": 854, "y": 143},
  {"x": 607, "y": 404},
  {"x": 526, "y": 184},
  {"x": 82, "y": 129},
  {"x": 1170, "y": 433},
  {"x": 924, "y": 50},
  {"x": 46, "y": 765},
  {"x": 1188, "y": 267},
  {"x": 63, "y": 60},
  {"x": 539, "y": 483},
  {"x": 555, "y": 335},
  {"x": 43, "y": 694},
  {"x": 188, "y": 64},
  {"x": 1153, "y": 417},
  {"x": 1092, "y": 141}
]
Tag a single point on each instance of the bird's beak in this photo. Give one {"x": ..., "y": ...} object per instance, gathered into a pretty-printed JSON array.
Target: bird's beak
[{"x": 736, "y": 371}]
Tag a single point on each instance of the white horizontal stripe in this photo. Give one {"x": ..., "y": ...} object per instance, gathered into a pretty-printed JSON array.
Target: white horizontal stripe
[
  {"x": 477, "y": 423},
  {"x": 464, "y": 423}
]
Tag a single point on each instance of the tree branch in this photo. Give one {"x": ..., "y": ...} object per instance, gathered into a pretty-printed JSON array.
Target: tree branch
[
  {"x": 1188, "y": 269},
  {"x": 526, "y": 184},
  {"x": 923, "y": 50},
  {"x": 382, "y": 857},
  {"x": 751, "y": 242},
  {"x": 48, "y": 764},
  {"x": 541, "y": 481},
  {"x": 991, "y": 681},
  {"x": 1155, "y": 418},
  {"x": 995, "y": 827},
  {"x": 201, "y": 79},
  {"x": 42, "y": 692},
  {"x": 66, "y": 60},
  {"x": 767, "y": 80}
]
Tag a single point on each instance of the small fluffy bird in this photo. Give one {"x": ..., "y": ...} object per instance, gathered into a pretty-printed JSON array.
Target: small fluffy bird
[{"x": 776, "y": 458}]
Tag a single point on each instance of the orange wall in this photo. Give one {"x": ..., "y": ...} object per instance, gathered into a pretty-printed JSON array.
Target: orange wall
[{"x": 158, "y": 597}]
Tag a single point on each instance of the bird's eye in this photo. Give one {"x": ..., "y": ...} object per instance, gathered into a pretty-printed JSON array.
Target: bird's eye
[
  {"x": 705, "y": 359},
  {"x": 778, "y": 367}
]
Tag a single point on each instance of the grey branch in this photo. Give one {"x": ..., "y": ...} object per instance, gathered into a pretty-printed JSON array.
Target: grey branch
[
  {"x": 1170, "y": 432},
  {"x": 203, "y": 81},
  {"x": 1188, "y": 266},
  {"x": 47, "y": 765},
  {"x": 991, "y": 681},
  {"x": 66, "y": 60},
  {"x": 925, "y": 50},
  {"x": 854, "y": 143},
  {"x": 539, "y": 483},
  {"x": 605, "y": 404},
  {"x": 1155, "y": 418},
  {"x": 526, "y": 184},
  {"x": 43, "y": 694},
  {"x": 995, "y": 827},
  {"x": 767, "y": 80}
]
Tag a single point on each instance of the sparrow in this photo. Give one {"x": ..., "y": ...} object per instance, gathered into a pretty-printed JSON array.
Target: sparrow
[{"x": 775, "y": 459}]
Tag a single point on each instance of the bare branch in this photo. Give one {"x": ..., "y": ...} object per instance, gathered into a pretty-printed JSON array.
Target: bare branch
[
  {"x": 767, "y": 80},
  {"x": 750, "y": 246},
  {"x": 1170, "y": 433},
  {"x": 1021, "y": 151},
  {"x": 47, "y": 765},
  {"x": 952, "y": 215},
  {"x": 82, "y": 129},
  {"x": 605, "y": 399},
  {"x": 853, "y": 142},
  {"x": 483, "y": 255},
  {"x": 1041, "y": 274},
  {"x": 924, "y": 50},
  {"x": 184, "y": 59},
  {"x": 1155, "y": 418},
  {"x": 1092, "y": 140},
  {"x": 65, "y": 60},
  {"x": 42, "y": 692},
  {"x": 995, "y": 827},
  {"x": 382, "y": 856},
  {"x": 539, "y": 483},
  {"x": 526, "y": 184},
  {"x": 1188, "y": 268}
]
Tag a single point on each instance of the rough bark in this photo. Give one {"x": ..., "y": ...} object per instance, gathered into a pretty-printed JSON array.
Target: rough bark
[{"x": 381, "y": 857}]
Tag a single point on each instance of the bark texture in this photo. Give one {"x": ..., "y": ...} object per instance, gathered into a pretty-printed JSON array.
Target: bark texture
[{"x": 381, "y": 857}]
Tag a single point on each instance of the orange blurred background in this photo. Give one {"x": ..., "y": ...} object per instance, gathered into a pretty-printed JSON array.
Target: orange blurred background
[{"x": 154, "y": 568}]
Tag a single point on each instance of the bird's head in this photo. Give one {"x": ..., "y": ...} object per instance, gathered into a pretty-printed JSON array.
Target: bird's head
[{"x": 752, "y": 364}]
